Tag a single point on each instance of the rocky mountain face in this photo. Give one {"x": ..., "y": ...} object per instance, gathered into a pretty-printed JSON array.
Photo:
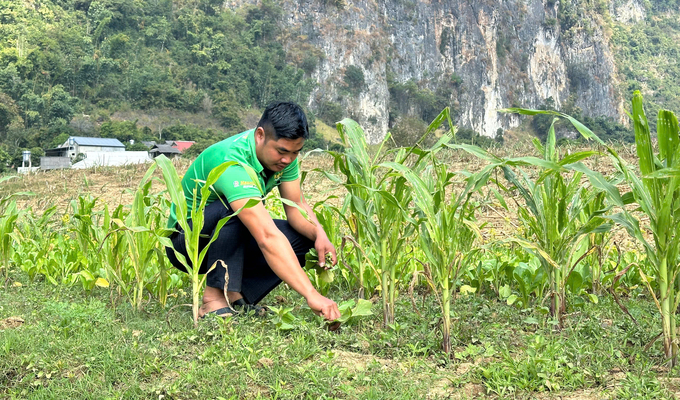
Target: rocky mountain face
[{"x": 478, "y": 55}]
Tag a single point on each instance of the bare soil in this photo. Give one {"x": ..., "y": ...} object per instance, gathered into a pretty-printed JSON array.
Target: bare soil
[{"x": 116, "y": 185}]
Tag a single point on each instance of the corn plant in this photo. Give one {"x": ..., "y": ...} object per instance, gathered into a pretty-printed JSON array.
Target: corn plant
[
  {"x": 376, "y": 213},
  {"x": 85, "y": 223},
  {"x": 657, "y": 193},
  {"x": 8, "y": 219},
  {"x": 556, "y": 209},
  {"x": 192, "y": 232},
  {"x": 376, "y": 208},
  {"x": 64, "y": 262},
  {"x": 141, "y": 228},
  {"x": 599, "y": 241},
  {"x": 35, "y": 236},
  {"x": 447, "y": 231},
  {"x": 113, "y": 249}
]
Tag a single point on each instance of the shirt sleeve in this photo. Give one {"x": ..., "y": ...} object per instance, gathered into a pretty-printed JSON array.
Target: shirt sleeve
[
  {"x": 236, "y": 184},
  {"x": 291, "y": 172}
]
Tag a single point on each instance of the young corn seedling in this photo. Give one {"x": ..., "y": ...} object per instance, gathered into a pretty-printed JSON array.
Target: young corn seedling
[
  {"x": 556, "y": 209},
  {"x": 142, "y": 227},
  {"x": 8, "y": 220},
  {"x": 377, "y": 206},
  {"x": 192, "y": 232},
  {"x": 447, "y": 230},
  {"x": 114, "y": 250},
  {"x": 9, "y": 213},
  {"x": 35, "y": 235},
  {"x": 657, "y": 193}
]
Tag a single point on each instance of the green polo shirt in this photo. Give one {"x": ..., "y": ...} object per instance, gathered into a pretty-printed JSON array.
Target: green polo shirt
[{"x": 235, "y": 183}]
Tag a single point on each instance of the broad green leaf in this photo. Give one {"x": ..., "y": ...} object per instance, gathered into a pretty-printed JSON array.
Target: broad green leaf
[
  {"x": 504, "y": 292},
  {"x": 467, "y": 289},
  {"x": 101, "y": 282},
  {"x": 667, "y": 134},
  {"x": 477, "y": 152},
  {"x": 576, "y": 157},
  {"x": 363, "y": 308},
  {"x": 643, "y": 142},
  {"x": 600, "y": 182}
]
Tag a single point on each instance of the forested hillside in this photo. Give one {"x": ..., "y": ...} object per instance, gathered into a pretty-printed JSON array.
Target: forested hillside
[
  {"x": 125, "y": 68},
  {"x": 648, "y": 54},
  {"x": 66, "y": 66}
]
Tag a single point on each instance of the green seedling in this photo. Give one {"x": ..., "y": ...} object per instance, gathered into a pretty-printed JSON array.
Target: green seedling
[
  {"x": 558, "y": 212},
  {"x": 283, "y": 318},
  {"x": 656, "y": 192},
  {"x": 376, "y": 207},
  {"x": 350, "y": 310},
  {"x": 326, "y": 272}
]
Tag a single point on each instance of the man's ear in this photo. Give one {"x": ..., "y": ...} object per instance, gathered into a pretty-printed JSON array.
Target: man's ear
[{"x": 259, "y": 135}]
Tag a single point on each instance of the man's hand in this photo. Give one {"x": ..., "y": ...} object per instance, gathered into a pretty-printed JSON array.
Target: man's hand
[
  {"x": 323, "y": 306},
  {"x": 324, "y": 246}
]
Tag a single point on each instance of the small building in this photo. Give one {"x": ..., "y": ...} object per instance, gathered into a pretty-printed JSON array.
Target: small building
[
  {"x": 77, "y": 144},
  {"x": 181, "y": 145},
  {"x": 167, "y": 150}
]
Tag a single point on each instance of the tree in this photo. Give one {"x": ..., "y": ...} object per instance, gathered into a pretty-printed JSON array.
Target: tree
[
  {"x": 8, "y": 112},
  {"x": 354, "y": 79},
  {"x": 225, "y": 109},
  {"x": 59, "y": 105},
  {"x": 121, "y": 130}
]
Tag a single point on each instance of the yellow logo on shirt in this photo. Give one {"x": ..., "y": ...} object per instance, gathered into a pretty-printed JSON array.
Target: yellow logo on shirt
[{"x": 245, "y": 184}]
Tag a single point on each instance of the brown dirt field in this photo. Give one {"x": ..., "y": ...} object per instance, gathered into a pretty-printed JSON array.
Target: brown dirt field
[{"x": 116, "y": 185}]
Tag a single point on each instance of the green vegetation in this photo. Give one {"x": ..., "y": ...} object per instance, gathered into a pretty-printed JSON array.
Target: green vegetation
[
  {"x": 70, "y": 58},
  {"x": 354, "y": 79},
  {"x": 655, "y": 192},
  {"x": 408, "y": 228},
  {"x": 647, "y": 54},
  {"x": 604, "y": 128},
  {"x": 73, "y": 344}
]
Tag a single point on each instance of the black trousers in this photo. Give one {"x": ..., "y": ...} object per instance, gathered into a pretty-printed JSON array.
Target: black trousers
[{"x": 248, "y": 270}]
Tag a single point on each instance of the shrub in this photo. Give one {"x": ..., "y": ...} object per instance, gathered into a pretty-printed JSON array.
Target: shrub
[{"x": 354, "y": 79}]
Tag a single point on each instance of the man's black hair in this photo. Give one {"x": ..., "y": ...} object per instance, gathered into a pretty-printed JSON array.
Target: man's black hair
[{"x": 284, "y": 120}]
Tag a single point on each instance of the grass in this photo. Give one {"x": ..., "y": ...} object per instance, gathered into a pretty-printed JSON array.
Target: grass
[
  {"x": 75, "y": 345},
  {"x": 327, "y": 132}
]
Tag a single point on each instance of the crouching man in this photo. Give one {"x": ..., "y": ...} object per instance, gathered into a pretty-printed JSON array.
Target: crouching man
[{"x": 259, "y": 251}]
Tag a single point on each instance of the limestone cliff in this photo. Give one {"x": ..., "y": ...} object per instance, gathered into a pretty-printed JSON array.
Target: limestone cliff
[{"x": 486, "y": 54}]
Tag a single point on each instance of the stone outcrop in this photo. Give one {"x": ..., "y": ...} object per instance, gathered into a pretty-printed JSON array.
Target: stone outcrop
[{"x": 487, "y": 55}]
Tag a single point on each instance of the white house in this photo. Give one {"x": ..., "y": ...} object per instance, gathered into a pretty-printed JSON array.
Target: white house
[{"x": 78, "y": 144}]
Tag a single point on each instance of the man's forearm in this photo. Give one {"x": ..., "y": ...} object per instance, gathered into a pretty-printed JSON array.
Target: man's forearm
[{"x": 283, "y": 261}]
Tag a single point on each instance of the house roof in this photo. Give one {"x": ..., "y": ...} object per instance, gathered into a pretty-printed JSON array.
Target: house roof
[
  {"x": 164, "y": 149},
  {"x": 92, "y": 141},
  {"x": 182, "y": 145}
]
